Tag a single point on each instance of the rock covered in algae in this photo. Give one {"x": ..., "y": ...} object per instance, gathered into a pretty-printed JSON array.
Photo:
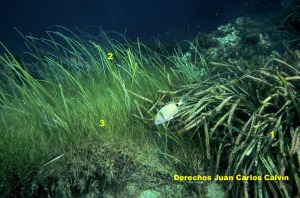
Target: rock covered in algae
[
  {"x": 243, "y": 38},
  {"x": 150, "y": 194}
]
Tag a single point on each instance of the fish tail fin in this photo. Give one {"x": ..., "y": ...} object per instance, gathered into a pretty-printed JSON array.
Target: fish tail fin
[{"x": 182, "y": 100}]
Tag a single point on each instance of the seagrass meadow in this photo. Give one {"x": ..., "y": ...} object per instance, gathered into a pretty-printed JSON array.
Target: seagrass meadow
[{"x": 77, "y": 120}]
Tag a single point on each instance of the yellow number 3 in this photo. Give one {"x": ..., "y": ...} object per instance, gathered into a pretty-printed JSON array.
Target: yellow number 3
[{"x": 101, "y": 123}]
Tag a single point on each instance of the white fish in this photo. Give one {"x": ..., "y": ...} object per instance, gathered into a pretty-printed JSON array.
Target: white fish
[{"x": 167, "y": 112}]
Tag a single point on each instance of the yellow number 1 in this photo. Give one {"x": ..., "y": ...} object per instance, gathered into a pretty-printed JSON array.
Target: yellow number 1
[
  {"x": 272, "y": 134},
  {"x": 101, "y": 123}
]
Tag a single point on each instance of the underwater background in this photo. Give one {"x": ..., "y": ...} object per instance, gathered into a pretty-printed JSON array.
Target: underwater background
[
  {"x": 167, "y": 20},
  {"x": 150, "y": 98}
]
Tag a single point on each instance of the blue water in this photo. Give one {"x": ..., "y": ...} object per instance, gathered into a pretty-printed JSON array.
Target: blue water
[{"x": 163, "y": 19}]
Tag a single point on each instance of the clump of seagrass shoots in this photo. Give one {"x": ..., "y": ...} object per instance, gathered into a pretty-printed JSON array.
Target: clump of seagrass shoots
[{"x": 250, "y": 122}]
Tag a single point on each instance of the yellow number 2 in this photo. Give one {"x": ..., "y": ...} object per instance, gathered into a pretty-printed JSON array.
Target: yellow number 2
[
  {"x": 101, "y": 123},
  {"x": 272, "y": 134},
  {"x": 110, "y": 56}
]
